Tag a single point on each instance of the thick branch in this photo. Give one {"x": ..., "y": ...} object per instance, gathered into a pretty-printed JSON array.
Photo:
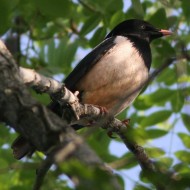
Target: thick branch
[{"x": 42, "y": 128}]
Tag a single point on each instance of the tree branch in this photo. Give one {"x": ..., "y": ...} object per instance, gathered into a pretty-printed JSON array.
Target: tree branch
[{"x": 42, "y": 128}]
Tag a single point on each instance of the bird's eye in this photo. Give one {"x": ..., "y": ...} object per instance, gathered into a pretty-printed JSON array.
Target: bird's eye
[{"x": 143, "y": 27}]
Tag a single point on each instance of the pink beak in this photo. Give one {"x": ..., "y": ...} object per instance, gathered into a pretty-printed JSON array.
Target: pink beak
[{"x": 166, "y": 32}]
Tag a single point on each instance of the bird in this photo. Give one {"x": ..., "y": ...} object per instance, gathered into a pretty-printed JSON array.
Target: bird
[{"x": 113, "y": 74}]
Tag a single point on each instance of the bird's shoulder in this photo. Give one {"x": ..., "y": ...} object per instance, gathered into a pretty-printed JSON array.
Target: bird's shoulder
[{"x": 88, "y": 62}]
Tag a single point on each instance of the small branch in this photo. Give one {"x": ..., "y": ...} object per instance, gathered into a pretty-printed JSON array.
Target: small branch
[
  {"x": 87, "y": 6},
  {"x": 122, "y": 130},
  {"x": 138, "y": 151},
  {"x": 154, "y": 74}
]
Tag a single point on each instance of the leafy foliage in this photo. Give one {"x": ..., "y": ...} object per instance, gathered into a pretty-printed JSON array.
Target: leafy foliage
[{"x": 53, "y": 36}]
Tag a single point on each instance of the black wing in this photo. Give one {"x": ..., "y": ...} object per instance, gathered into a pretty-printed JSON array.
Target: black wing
[{"x": 88, "y": 62}]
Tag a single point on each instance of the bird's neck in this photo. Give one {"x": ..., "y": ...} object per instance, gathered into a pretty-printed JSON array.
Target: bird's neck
[{"x": 143, "y": 47}]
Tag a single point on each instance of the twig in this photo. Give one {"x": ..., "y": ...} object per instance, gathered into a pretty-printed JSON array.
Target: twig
[
  {"x": 154, "y": 74},
  {"x": 89, "y": 7},
  {"x": 139, "y": 152}
]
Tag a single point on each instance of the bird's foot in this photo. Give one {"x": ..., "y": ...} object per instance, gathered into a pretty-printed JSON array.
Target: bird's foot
[
  {"x": 103, "y": 110},
  {"x": 126, "y": 122}
]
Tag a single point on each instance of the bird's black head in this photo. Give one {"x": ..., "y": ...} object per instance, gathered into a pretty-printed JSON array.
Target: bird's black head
[{"x": 138, "y": 28}]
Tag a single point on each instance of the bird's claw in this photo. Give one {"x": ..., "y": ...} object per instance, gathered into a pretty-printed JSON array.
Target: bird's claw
[
  {"x": 126, "y": 122},
  {"x": 103, "y": 111}
]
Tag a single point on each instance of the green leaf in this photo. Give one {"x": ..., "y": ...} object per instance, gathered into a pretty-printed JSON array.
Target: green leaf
[
  {"x": 184, "y": 78},
  {"x": 141, "y": 187},
  {"x": 116, "y": 18},
  {"x": 177, "y": 101},
  {"x": 165, "y": 50},
  {"x": 91, "y": 23},
  {"x": 127, "y": 161},
  {"x": 137, "y": 6},
  {"x": 155, "y": 152},
  {"x": 105, "y": 8},
  {"x": 60, "y": 54},
  {"x": 166, "y": 161},
  {"x": 42, "y": 98},
  {"x": 122, "y": 115},
  {"x": 101, "y": 146},
  {"x": 65, "y": 54},
  {"x": 5, "y": 12},
  {"x": 156, "y": 117},
  {"x": 168, "y": 76},
  {"x": 185, "y": 139},
  {"x": 7, "y": 157},
  {"x": 163, "y": 163},
  {"x": 58, "y": 8},
  {"x": 185, "y": 7},
  {"x": 138, "y": 134},
  {"x": 155, "y": 133},
  {"x": 89, "y": 176},
  {"x": 132, "y": 162},
  {"x": 159, "y": 17},
  {"x": 4, "y": 163},
  {"x": 4, "y": 132},
  {"x": 172, "y": 21},
  {"x": 98, "y": 36},
  {"x": 182, "y": 168},
  {"x": 160, "y": 96},
  {"x": 110, "y": 9},
  {"x": 183, "y": 155},
  {"x": 141, "y": 103},
  {"x": 186, "y": 121},
  {"x": 51, "y": 52}
]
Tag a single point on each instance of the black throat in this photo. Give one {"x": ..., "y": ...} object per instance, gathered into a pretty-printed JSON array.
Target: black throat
[{"x": 143, "y": 47}]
